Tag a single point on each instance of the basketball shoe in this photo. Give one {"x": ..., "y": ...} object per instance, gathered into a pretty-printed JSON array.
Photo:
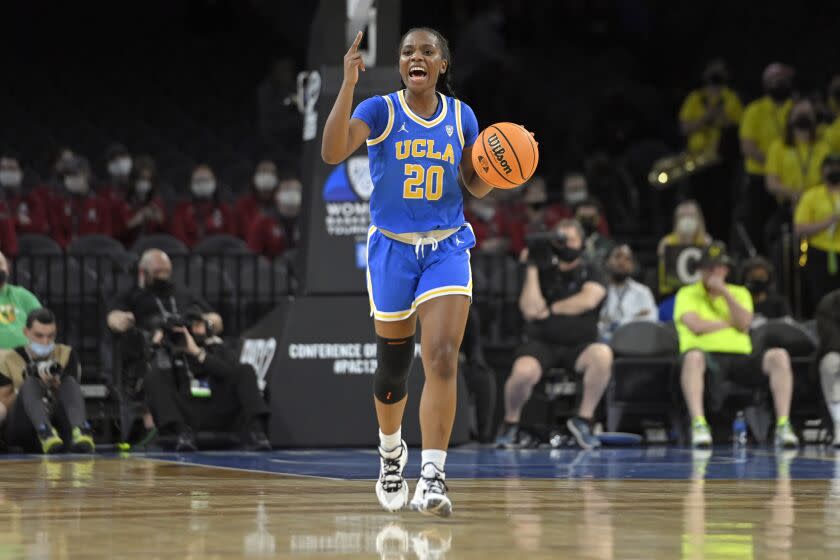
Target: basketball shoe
[
  {"x": 430, "y": 495},
  {"x": 391, "y": 488}
]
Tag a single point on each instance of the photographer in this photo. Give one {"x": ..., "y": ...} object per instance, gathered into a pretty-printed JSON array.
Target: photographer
[
  {"x": 39, "y": 385},
  {"x": 196, "y": 383},
  {"x": 560, "y": 301}
]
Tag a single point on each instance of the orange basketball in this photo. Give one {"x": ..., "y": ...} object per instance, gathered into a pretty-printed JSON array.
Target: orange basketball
[{"x": 505, "y": 155}]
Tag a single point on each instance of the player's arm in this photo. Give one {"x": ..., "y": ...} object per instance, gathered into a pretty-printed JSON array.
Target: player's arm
[
  {"x": 342, "y": 136},
  {"x": 470, "y": 178},
  {"x": 589, "y": 297}
]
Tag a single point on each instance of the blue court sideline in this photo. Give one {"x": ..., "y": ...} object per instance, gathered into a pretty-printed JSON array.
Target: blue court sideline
[{"x": 671, "y": 463}]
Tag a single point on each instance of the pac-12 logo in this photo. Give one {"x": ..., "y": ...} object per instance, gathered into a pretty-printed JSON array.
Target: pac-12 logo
[{"x": 346, "y": 193}]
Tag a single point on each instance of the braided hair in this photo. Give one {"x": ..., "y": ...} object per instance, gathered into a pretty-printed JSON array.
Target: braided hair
[{"x": 444, "y": 82}]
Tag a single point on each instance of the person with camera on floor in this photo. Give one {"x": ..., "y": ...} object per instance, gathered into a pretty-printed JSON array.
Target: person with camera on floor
[
  {"x": 196, "y": 383},
  {"x": 560, "y": 302},
  {"x": 39, "y": 390}
]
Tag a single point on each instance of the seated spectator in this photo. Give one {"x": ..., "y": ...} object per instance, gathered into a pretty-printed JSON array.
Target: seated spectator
[
  {"x": 590, "y": 215},
  {"x": 39, "y": 387},
  {"x": 136, "y": 313},
  {"x": 203, "y": 214},
  {"x": 713, "y": 320},
  {"x": 689, "y": 228},
  {"x": 576, "y": 191},
  {"x": 196, "y": 383},
  {"x": 78, "y": 210},
  {"x": 707, "y": 111},
  {"x": 27, "y": 209},
  {"x": 114, "y": 189},
  {"x": 16, "y": 302},
  {"x": 143, "y": 210},
  {"x": 489, "y": 224},
  {"x": 560, "y": 302},
  {"x": 757, "y": 276},
  {"x": 815, "y": 223},
  {"x": 828, "y": 329},
  {"x": 627, "y": 300},
  {"x": 533, "y": 214},
  {"x": 275, "y": 229},
  {"x": 794, "y": 162},
  {"x": 261, "y": 195},
  {"x": 8, "y": 235}
]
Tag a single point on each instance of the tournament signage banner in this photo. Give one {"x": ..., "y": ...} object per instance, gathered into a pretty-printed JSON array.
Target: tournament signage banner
[
  {"x": 336, "y": 212},
  {"x": 315, "y": 358},
  {"x": 678, "y": 267}
]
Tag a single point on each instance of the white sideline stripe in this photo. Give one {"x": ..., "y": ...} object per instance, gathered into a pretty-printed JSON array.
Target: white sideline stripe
[{"x": 190, "y": 464}]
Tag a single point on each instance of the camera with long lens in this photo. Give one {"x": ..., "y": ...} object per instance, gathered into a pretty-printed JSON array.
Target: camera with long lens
[
  {"x": 43, "y": 367},
  {"x": 542, "y": 247},
  {"x": 173, "y": 338}
]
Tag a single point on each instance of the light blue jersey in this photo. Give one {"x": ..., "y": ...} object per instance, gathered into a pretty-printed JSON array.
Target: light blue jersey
[
  {"x": 414, "y": 162},
  {"x": 414, "y": 168}
]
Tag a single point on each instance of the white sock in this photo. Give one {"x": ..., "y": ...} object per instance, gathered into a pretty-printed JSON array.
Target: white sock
[
  {"x": 835, "y": 411},
  {"x": 437, "y": 457},
  {"x": 392, "y": 441}
]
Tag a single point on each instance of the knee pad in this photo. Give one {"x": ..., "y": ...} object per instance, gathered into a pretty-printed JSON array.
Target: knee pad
[{"x": 393, "y": 362}]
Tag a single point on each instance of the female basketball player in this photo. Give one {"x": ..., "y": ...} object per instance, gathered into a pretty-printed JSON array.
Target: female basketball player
[{"x": 418, "y": 248}]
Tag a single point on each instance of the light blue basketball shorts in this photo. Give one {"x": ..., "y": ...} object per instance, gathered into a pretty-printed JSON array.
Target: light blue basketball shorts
[{"x": 401, "y": 276}]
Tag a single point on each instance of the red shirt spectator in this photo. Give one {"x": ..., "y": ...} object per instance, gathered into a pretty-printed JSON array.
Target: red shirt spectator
[
  {"x": 261, "y": 196},
  {"x": 27, "y": 211},
  {"x": 492, "y": 229},
  {"x": 202, "y": 215},
  {"x": 8, "y": 237},
  {"x": 275, "y": 230},
  {"x": 142, "y": 211},
  {"x": 266, "y": 235},
  {"x": 78, "y": 211},
  {"x": 117, "y": 186}
]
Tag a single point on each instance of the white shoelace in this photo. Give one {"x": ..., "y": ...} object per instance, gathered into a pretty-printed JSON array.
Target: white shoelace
[{"x": 420, "y": 246}]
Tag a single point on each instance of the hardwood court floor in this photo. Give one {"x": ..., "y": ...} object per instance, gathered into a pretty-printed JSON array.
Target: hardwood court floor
[{"x": 172, "y": 507}]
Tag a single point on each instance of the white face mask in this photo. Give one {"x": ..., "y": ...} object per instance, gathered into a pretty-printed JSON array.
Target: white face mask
[
  {"x": 120, "y": 167},
  {"x": 264, "y": 182},
  {"x": 143, "y": 186},
  {"x": 76, "y": 184},
  {"x": 573, "y": 197},
  {"x": 289, "y": 198},
  {"x": 687, "y": 225},
  {"x": 203, "y": 188},
  {"x": 11, "y": 178}
]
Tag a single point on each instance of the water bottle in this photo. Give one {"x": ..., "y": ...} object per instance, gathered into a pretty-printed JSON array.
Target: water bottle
[{"x": 739, "y": 430}]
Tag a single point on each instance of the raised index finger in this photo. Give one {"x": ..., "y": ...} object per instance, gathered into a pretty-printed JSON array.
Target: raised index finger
[{"x": 355, "y": 46}]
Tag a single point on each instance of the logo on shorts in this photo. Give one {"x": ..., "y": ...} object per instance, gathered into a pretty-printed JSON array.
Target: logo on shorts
[
  {"x": 458, "y": 241},
  {"x": 449, "y": 130}
]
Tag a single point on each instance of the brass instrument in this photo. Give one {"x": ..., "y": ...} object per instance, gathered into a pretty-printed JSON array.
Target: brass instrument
[{"x": 677, "y": 167}]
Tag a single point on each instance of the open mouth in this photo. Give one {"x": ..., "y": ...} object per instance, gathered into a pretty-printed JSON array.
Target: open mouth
[{"x": 417, "y": 74}]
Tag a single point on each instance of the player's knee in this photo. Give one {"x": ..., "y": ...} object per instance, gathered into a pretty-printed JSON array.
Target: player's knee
[
  {"x": 527, "y": 370},
  {"x": 599, "y": 355},
  {"x": 441, "y": 359},
  {"x": 393, "y": 362}
]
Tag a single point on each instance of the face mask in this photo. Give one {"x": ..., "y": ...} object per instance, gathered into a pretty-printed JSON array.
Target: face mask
[
  {"x": 120, "y": 167},
  {"x": 687, "y": 225},
  {"x": 833, "y": 177},
  {"x": 199, "y": 339},
  {"x": 619, "y": 277},
  {"x": 203, "y": 188},
  {"x": 803, "y": 122},
  {"x": 756, "y": 285},
  {"x": 537, "y": 206},
  {"x": 589, "y": 224},
  {"x": 484, "y": 213},
  {"x": 11, "y": 178},
  {"x": 162, "y": 287},
  {"x": 41, "y": 350},
  {"x": 567, "y": 254},
  {"x": 289, "y": 198},
  {"x": 573, "y": 197},
  {"x": 143, "y": 186},
  {"x": 715, "y": 80},
  {"x": 3, "y": 277},
  {"x": 76, "y": 184},
  {"x": 264, "y": 182},
  {"x": 780, "y": 92}
]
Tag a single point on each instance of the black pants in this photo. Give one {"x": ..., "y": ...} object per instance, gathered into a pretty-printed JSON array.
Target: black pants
[
  {"x": 756, "y": 207},
  {"x": 30, "y": 412},
  {"x": 234, "y": 404},
  {"x": 820, "y": 282}
]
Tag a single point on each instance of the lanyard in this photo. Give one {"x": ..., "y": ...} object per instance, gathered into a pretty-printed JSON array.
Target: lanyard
[
  {"x": 804, "y": 166},
  {"x": 163, "y": 310}
]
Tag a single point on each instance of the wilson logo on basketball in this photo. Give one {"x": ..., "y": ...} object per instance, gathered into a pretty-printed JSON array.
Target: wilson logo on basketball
[{"x": 498, "y": 151}]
